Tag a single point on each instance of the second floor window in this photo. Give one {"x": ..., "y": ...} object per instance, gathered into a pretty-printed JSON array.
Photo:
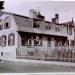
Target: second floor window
[{"x": 11, "y": 39}]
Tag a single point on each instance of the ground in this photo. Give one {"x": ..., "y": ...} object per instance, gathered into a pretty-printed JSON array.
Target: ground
[{"x": 11, "y": 67}]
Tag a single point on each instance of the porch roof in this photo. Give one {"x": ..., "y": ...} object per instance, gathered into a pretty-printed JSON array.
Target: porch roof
[{"x": 39, "y": 31}]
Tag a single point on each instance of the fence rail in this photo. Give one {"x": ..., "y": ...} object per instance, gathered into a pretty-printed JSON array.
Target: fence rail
[{"x": 65, "y": 54}]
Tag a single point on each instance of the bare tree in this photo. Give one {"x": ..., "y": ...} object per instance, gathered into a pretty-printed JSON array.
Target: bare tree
[{"x": 1, "y": 5}]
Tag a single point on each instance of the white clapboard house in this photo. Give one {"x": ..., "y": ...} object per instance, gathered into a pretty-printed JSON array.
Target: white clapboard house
[{"x": 32, "y": 37}]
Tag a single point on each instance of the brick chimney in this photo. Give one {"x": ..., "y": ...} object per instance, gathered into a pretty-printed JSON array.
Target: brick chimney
[{"x": 57, "y": 18}]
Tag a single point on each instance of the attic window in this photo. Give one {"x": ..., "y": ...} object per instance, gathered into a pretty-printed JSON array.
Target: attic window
[
  {"x": 47, "y": 27},
  {"x": 6, "y": 25}
]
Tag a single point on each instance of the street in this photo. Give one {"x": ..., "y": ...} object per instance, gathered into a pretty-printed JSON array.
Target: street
[{"x": 13, "y": 67}]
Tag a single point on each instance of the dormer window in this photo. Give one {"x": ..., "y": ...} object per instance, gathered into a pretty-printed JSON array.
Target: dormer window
[
  {"x": 57, "y": 29},
  {"x": 36, "y": 26},
  {"x": 47, "y": 27}
]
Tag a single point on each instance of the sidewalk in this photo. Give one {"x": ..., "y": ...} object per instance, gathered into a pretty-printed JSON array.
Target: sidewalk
[{"x": 41, "y": 62}]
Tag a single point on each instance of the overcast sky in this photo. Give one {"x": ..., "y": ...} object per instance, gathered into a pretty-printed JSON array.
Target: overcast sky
[{"x": 66, "y": 10}]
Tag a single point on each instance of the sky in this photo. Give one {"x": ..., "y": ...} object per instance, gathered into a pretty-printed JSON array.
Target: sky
[{"x": 65, "y": 9}]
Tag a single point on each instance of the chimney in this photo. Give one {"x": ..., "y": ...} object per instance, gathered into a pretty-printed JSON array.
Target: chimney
[
  {"x": 33, "y": 13},
  {"x": 53, "y": 20},
  {"x": 39, "y": 16},
  {"x": 57, "y": 18}
]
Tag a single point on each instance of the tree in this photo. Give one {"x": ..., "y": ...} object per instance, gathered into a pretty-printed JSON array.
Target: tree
[{"x": 1, "y": 5}]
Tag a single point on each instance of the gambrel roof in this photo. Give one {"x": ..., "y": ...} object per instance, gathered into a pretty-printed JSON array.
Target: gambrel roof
[{"x": 25, "y": 24}]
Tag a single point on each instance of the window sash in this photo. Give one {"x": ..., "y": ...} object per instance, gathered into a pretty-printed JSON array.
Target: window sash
[
  {"x": 3, "y": 42},
  {"x": 11, "y": 40},
  {"x": 6, "y": 25}
]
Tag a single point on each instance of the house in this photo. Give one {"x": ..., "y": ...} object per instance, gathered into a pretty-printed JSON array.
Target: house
[{"x": 24, "y": 37}]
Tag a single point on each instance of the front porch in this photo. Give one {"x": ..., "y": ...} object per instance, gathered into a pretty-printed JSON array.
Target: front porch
[
  {"x": 66, "y": 54},
  {"x": 41, "y": 47}
]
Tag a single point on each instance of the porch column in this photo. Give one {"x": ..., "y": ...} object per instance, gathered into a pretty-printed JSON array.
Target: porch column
[
  {"x": 69, "y": 43},
  {"x": 44, "y": 42},
  {"x": 52, "y": 42},
  {"x": 19, "y": 40},
  {"x": 32, "y": 40}
]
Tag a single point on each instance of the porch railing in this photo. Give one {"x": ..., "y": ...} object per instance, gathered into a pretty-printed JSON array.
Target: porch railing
[{"x": 64, "y": 53}]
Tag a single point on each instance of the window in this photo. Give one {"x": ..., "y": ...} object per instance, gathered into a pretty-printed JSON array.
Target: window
[
  {"x": 3, "y": 41},
  {"x": 37, "y": 40},
  {"x": 1, "y": 26},
  {"x": 47, "y": 27},
  {"x": 26, "y": 40},
  {"x": 57, "y": 29},
  {"x": 0, "y": 41},
  {"x": 6, "y": 25},
  {"x": 1, "y": 53},
  {"x": 11, "y": 39},
  {"x": 7, "y": 22},
  {"x": 70, "y": 31},
  {"x": 36, "y": 26},
  {"x": 72, "y": 43}
]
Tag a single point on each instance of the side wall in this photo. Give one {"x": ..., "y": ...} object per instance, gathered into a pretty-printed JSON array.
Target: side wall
[{"x": 9, "y": 51}]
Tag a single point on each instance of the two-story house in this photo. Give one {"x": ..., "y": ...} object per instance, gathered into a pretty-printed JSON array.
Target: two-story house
[{"x": 30, "y": 37}]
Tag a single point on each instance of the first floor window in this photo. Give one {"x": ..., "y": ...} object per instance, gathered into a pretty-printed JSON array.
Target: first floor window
[
  {"x": 72, "y": 43},
  {"x": 37, "y": 40},
  {"x": 3, "y": 41},
  {"x": 1, "y": 53},
  {"x": 26, "y": 40},
  {"x": 11, "y": 39}
]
